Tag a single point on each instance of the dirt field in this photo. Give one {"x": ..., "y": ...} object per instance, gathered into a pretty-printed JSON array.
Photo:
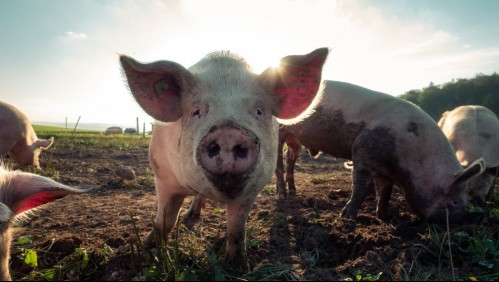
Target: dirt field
[{"x": 302, "y": 231}]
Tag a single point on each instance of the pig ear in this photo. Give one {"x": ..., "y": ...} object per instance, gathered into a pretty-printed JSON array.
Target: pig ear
[
  {"x": 157, "y": 86},
  {"x": 24, "y": 191},
  {"x": 296, "y": 82},
  {"x": 442, "y": 119},
  {"x": 44, "y": 144},
  {"x": 476, "y": 168}
]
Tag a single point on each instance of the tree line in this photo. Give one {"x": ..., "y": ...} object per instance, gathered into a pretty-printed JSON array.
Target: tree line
[{"x": 436, "y": 99}]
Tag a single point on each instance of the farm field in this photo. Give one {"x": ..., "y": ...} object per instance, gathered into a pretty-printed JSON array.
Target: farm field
[{"x": 96, "y": 236}]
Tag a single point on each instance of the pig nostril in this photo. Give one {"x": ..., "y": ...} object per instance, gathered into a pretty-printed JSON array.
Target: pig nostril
[
  {"x": 213, "y": 149},
  {"x": 240, "y": 152}
]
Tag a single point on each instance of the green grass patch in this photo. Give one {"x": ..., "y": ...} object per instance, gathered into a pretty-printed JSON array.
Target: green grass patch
[{"x": 90, "y": 138}]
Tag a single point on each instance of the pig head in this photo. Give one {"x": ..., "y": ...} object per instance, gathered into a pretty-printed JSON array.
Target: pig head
[
  {"x": 216, "y": 131},
  {"x": 473, "y": 132},
  {"x": 21, "y": 192},
  {"x": 18, "y": 139}
]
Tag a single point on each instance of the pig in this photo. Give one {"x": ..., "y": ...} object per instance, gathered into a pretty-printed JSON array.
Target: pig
[
  {"x": 472, "y": 130},
  {"x": 18, "y": 139},
  {"x": 215, "y": 130},
  {"x": 390, "y": 141},
  {"x": 21, "y": 192}
]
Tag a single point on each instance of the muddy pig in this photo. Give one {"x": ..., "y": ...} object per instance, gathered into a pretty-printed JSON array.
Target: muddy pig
[
  {"x": 215, "y": 132},
  {"x": 18, "y": 139},
  {"x": 390, "y": 141},
  {"x": 472, "y": 131},
  {"x": 19, "y": 193}
]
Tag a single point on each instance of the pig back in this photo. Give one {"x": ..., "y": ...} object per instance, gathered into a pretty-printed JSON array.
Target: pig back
[{"x": 13, "y": 127}]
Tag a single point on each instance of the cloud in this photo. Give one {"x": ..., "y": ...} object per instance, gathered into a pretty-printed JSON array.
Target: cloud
[{"x": 75, "y": 35}]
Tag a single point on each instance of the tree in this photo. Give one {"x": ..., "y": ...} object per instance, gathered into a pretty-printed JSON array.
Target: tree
[{"x": 436, "y": 99}]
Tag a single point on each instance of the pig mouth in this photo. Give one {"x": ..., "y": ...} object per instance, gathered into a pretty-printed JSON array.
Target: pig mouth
[
  {"x": 229, "y": 184},
  {"x": 228, "y": 155}
]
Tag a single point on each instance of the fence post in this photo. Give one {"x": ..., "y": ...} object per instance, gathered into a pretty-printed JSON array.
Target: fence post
[{"x": 76, "y": 125}]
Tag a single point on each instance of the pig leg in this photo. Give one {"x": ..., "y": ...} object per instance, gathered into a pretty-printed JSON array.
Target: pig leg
[
  {"x": 279, "y": 171},
  {"x": 197, "y": 205},
  {"x": 291, "y": 156},
  {"x": 237, "y": 215},
  {"x": 384, "y": 187},
  {"x": 170, "y": 199},
  {"x": 362, "y": 184}
]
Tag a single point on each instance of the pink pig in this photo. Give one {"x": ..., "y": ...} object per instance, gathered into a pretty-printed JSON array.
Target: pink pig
[
  {"x": 18, "y": 139},
  {"x": 216, "y": 130}
]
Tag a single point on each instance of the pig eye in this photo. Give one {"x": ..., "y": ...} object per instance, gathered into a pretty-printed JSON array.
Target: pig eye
[
  {"x": 197, "y": 113},
  {"x": 258, "y": 112}
]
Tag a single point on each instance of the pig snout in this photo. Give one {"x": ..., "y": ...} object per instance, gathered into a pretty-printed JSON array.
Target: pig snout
[
  {"x": 228, "y": 154},
  {"x": 228, "y": 150}
]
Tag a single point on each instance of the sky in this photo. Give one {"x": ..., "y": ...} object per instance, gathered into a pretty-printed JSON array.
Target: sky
[{"x": 59, "y": 59}]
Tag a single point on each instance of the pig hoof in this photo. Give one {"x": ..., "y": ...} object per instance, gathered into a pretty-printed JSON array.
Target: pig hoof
[
  {"x": 348, "y": 212},
  {"x": 192, "y": 214},
  {"x": 237, "y": 265},
  {"x": 150, "y": 241}
]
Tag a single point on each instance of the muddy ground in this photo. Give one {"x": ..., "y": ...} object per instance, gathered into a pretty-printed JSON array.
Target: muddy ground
[{"x": 302, "y": 231}]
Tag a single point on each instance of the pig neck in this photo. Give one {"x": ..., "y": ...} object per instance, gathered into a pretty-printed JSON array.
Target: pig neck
[{"x": 19, "y": 148}]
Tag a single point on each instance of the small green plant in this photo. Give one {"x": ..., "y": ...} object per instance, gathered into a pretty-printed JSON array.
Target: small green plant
[
  {"x": 251, "y": 240},
  {"x": 76, "y": 266},
  {"x": 23, "y": 248},
  {"x": 480, "y": 247},
  {"x": 415, "y": 273},
  {"x": 269, "y": 190},
  {"x": 367, "y": 277},
  {"x": 218, "y": 211}
]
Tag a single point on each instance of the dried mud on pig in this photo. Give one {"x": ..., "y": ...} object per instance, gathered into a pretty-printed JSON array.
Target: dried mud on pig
[{"x": 302, "y": 231}]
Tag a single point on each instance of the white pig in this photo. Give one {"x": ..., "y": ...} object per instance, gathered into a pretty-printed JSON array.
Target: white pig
[
  {"x": 18, "y": 139},
  {"x": 216, "y": 130},
  {"x": 473, "y": 132},
  {"x": 21, "y": 192}
]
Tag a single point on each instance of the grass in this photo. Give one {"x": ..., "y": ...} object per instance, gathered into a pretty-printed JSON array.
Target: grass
[
  {"x": 457, "y": 255},
  {"x": 91, "y": 138},
  {"x": 187, "y": 257}
]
